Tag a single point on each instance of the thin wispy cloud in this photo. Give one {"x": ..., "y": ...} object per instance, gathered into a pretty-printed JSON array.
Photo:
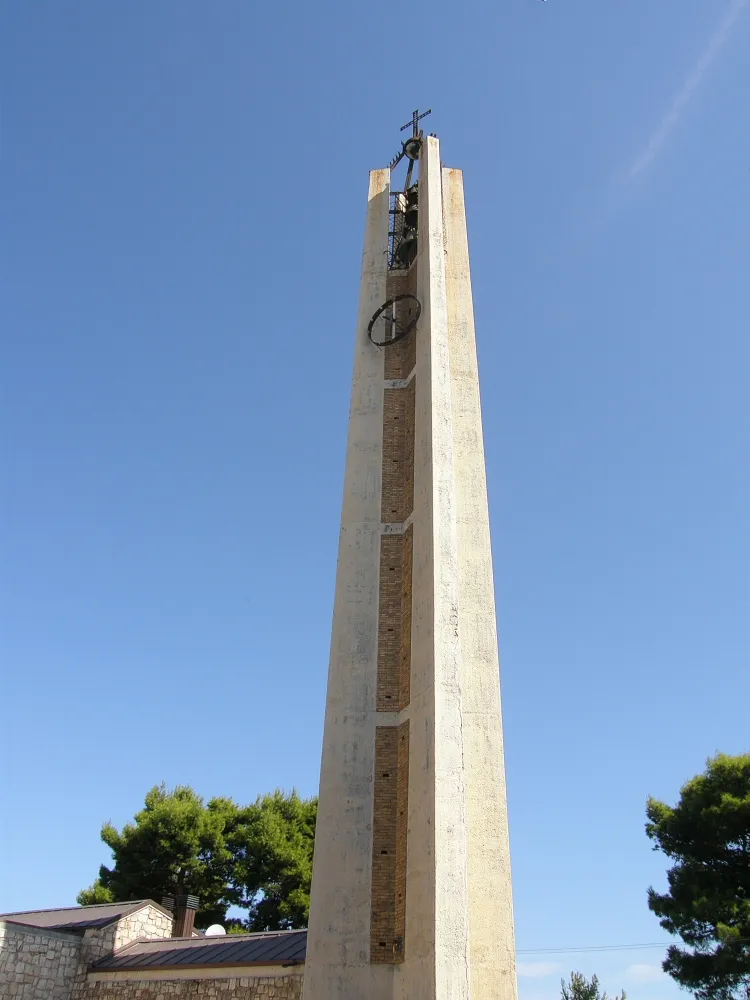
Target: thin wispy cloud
[
  {"x": 643, "y": 973},
  {"x": 537, "y": 970},
  {"x": 687, "y": 92}
]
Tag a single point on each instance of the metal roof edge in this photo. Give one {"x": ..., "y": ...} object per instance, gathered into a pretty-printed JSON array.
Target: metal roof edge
[
  {"x": 137, "y": 905},
  {"x": 119, "y": 951},
  {"x": 99, "y": 969},
  {"x": 232, "y": 937},
  {"x": 126, "y": 908},
  {"x": 85, "y": 906},
  {"x": 65, "y": 931}
]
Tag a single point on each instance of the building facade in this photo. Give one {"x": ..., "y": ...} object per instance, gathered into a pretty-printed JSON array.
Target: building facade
[{"x": 127, "y": 951}]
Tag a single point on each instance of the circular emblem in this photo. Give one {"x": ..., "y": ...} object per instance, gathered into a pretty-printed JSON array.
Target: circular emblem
[{"x": 394, "y": 320}]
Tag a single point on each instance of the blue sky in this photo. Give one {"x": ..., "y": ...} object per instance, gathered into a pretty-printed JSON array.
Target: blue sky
[{"x": 183, "y": 190}]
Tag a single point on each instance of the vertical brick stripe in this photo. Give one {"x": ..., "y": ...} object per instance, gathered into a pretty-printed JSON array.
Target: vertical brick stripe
[
  {"x": 383, "y": 915},
  {"x": 390, "y": 623},
  {"x": 397, "y": 498},
  {"x": 402, "y": 357},
  {"x": 391, "y": 786},
  {"x": 405, "y": 643},
  {"x": 408, "y": 459},
  {"x": 394, "y": 622},
  {"x": 402, "y": 802}
]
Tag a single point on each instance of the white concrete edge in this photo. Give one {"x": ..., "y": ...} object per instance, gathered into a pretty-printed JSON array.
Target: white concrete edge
[
  {"x": 400, "y": 383},
  {"x": 452, "y": 952},
  {"x": 397, "y": 527}
]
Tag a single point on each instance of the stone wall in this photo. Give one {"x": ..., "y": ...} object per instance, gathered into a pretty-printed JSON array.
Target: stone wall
[
  {"x": 239, "y": 988},
  {"x": 148, "y": 922},
  {"x": 37, "y": 964}
]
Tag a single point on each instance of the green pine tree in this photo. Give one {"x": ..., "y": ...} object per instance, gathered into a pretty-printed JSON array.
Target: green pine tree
[
  {"x": 707, "y": 836},
  {"x": 581, "y": 988},
  {"x": 257, "y": 857}
]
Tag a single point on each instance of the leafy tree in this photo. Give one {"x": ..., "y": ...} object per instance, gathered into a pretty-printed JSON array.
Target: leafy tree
[
  {"x": 581, "y": 988},
  {"x": 707, "y": 836},
  {"x": 235, "y": 927},
  {"x": 257, "y": 857},
  {"x": 175, "y": 844},
  {"x": 272, "y": 847},
  {"x": 96, "y": 893}
]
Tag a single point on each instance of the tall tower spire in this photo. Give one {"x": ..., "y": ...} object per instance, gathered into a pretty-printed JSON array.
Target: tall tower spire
[{"x": 411, "y": 893}]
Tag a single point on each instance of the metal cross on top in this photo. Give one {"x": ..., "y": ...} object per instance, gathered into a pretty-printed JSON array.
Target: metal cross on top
[{"x": 415, "y": 119}]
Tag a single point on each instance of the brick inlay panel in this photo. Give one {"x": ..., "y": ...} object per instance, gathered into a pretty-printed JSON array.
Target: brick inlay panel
[
  {"x": 394, "y": 622},
  {"x": 390, "y": 618},
  {"x": 406, "y": 598},
  {"x": 388, "y": 915},
  {"x": 397, "y": 499}
]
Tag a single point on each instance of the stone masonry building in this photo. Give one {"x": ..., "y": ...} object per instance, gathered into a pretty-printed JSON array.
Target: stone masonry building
[{"x": 126, "y": 951}]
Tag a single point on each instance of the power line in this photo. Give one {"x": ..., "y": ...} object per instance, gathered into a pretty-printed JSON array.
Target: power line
[
  {"x": 596, "y": 947},
  {"x": 610, "y": 947}
]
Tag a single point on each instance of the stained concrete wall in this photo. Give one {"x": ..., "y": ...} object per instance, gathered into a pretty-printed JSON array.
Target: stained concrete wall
[
  {"x": 490, "y": 899},
  {"x": 338, "y": 942},
  {"x": 436, "y": 939}
]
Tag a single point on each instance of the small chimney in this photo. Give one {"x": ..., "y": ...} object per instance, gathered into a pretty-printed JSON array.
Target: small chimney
[{"x": 184, "y": 908}]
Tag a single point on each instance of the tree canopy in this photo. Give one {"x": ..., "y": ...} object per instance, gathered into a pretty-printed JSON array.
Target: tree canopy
[
  {"x": 707, "y": 836},
  {"x": 271, "y": 844},
  {"x": 257, "y": 857},
  {"x": 581, "y": 988}
]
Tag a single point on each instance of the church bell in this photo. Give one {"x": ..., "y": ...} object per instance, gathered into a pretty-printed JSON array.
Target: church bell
[
  {"x": 411, "y": 212},
  {"x": 407, "y": 248}
]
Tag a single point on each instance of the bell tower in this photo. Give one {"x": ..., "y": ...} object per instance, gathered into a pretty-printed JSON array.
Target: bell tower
[{"x": 411, "y": 893}]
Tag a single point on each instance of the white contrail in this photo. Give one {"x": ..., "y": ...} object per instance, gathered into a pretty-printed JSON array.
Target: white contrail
[{"x": 696, "y": 76}]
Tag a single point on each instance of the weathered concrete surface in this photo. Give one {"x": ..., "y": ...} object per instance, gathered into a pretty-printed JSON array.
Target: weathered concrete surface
[
  {"x": 492, "y": 939},
  {"x": 338, "y": 944},
  {"x": 436, "y": 940}
]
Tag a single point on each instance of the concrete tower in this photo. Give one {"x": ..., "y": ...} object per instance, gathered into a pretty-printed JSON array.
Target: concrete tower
[{"x": 411, "y": 893}]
